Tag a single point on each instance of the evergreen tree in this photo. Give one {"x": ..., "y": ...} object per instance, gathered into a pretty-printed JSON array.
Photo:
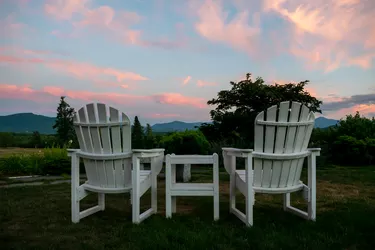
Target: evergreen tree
[
  {"x": 137, "y": 135},
  {"x": 149, "y": 137},
  {"x": 64, "y": 122}
]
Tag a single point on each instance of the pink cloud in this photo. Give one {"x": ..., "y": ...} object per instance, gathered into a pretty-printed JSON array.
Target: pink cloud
[
  {"x": 366, "y": 110},
  {"x": 186, "y": 80},
  {"x": 65, "y": 9},
  {"x": 158, "y": 115},
  {"x": 328, "y": 34},
  {"x": 79, "y": 70},
  {"x": 213, "y": 25},
  {"x": 50, "y": 93},
  {"x": 178, "y": 99},
  {"x": 10, "y": 28},
  {"x": 201, "y": 83}
]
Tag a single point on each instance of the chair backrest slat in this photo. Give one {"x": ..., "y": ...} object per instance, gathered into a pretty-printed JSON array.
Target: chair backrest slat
[
  {"x": 291, "y": 136},
  {"x": 99, "y": 134}
]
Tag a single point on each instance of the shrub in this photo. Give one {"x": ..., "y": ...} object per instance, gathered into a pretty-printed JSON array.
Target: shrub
[
  {"x": 53, "y": 161},
  {"x": 187, "y": 142},
  {"x": 347, "y": 150}
]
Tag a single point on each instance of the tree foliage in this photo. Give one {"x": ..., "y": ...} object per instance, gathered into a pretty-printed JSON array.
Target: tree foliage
[
  {"x": 186, "y": 142},
  {"x": 236, "y": 109},
  {"x": 64, "y": 122},
  {"x": 149, "y": 137},
  {"x": 36, "y": 140},
  {"x": 137, "y": 134}
]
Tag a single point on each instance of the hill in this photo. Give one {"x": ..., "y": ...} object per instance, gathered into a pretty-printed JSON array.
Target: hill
[
  {"x": 29, "y": 122},
  {"x": 322, "y": 122},
  {"x": 174, "y": 126}
]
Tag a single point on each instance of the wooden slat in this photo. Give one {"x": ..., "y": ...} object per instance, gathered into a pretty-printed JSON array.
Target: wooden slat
[
  {"x": 279, "y": 144},
  {"x": 79, "y": 134},
  {"x": 116, "y": 147},
  {"x": 106, "y": 144},
  {"x": 305, "y": 141},
  {"x": 90, "y": 165},
  {"x": 126, "y": 134},
  {"x": 269, "y": 146},
  {"x": 293, "y": 140},
  {"x": 258, "y": 147},
  {"x": 289, "y": 143}
]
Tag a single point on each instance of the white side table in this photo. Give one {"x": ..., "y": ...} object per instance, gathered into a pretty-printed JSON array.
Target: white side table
[{"x": 173, "y": 189}]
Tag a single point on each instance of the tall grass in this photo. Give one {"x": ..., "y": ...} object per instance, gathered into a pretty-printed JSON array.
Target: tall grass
[{"x": 52, "y": 160}]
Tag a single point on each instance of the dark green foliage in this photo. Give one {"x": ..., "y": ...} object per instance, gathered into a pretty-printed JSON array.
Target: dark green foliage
[
  {"x": 187, "y": 142},
  {"x": 6, "y": 139},
  {"x": 137, "y": 135},
  {"x": 36, "y": 140},
  {"x": 236, "y": 109},
  {"x": 351, "y": 142},
  {"x": 149, "y": 138},
  {"x": 64, "y": 123}
]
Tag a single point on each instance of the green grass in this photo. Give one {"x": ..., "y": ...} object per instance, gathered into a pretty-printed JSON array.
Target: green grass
[{"x": 38, "y": 217}]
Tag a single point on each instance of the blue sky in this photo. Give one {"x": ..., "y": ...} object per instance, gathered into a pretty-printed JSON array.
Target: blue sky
[{"x": 162, "y": 60}]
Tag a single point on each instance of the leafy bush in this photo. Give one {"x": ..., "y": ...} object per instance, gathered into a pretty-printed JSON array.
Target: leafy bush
[
  {"x": 349, "y": 150},
  {"x": 187, "y": 142},
  {"x": 53, "y": 161}
]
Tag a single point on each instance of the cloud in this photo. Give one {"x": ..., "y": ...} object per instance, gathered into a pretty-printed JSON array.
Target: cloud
[
  {"x": 80, "y": 70},
  {"x": 201, "y": 83},
  {"x": 178, "y": 99},
  {"x": 328, "y": 34},
  {"x": 48, "y": 93},
  {"x": 186, "y": 80},
  {"x": 213, "y": 24},
  {"x": 347, "y": 102},
  {"x": 10, "y": 28}
]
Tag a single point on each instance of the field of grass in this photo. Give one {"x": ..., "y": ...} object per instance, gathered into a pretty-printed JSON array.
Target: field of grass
[
  {"x": 38, "y": 217},
  {"x": 17, "y": 151}
]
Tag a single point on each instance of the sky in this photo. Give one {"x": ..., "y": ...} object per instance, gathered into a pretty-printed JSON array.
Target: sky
[{"x": 163, "y": 60}]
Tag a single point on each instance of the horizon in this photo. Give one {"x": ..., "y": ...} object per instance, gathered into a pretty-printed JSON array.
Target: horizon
[{"x": 163, "y": 60}]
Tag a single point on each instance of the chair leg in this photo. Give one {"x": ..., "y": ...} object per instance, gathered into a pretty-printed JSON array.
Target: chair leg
[
  {"x": 101, "y": 201},
  {"x": 216, "y": 207},
  {"x": 232, "y": 193},
  {"x": 286, "y": 201},
  {"x": 249, "y": 209},
  {"x": 75, "y": 207},
  {"x": 154, "y": 193}
]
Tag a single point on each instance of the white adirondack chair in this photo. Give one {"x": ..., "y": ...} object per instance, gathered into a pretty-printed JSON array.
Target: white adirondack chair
[
  {"x": 105, "y": 147},
  {"x": 274, "y": 166}
]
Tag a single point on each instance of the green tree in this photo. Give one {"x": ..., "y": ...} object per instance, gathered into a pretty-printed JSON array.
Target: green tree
[
  {"x": 236, "y": 109},
  {"x": 137, "y": 134},
  {"x": 64, "y": 122},
  {"x": 357, "y": 126},
  {"x": 36, "y": 139},
  {"x": 149, "y": 137},
  {"x": 6, "y": 139}
]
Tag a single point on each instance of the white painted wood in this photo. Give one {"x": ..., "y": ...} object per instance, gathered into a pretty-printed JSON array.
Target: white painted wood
[
  {"x": 174, "y": 189},
  {"x": 280, "y": 147},
  {"x": 104, "y": 136}
]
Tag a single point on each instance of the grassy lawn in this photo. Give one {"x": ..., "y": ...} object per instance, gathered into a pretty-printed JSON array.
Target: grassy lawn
[{"x": 38, "y": 217}]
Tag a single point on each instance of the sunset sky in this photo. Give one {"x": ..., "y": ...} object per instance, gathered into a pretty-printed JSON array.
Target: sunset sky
[{"x": 162, "y": 60}]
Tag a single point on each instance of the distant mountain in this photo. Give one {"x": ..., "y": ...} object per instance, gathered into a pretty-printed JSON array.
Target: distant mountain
[
  {"x": 29, "y": 122},
  {"x": 175, "y": 126},
  {"x": 322, "y": 122}
]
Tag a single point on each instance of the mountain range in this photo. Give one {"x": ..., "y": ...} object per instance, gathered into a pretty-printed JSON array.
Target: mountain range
[{"x": 29, "y": 122}]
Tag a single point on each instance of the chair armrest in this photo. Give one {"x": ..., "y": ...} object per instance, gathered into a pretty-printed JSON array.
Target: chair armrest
[
  {"x": 243, "y": 153},
  {"x": 315, "y": 151},
  {"x": 147, "y": 153},
  {"x": 72, "y": 151}
]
